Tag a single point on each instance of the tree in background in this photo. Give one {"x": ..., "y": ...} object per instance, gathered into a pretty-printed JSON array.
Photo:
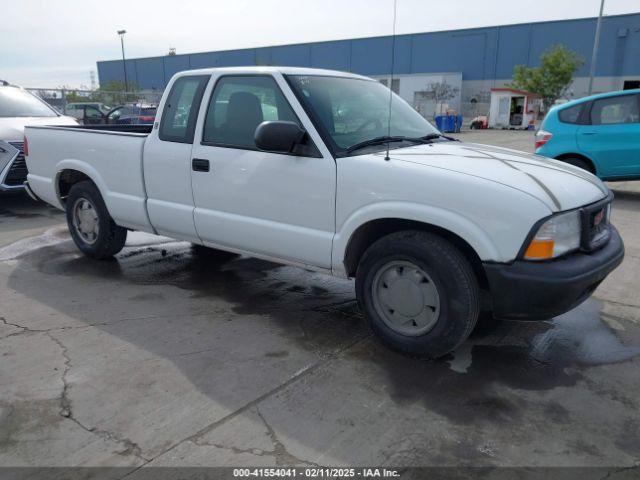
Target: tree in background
[
  {"x": 552, "y": 78},
  {"x": 441, "y": 92},
  {"x": 112, "y": 92}
]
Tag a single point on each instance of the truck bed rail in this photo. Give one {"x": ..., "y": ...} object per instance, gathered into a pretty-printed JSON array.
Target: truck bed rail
[{"x": 107, "y": 129}]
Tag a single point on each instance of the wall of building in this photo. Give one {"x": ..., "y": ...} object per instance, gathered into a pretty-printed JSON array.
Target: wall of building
[
  {"x": 416, "y": 89},
  {"x": 481, "y": 54}
]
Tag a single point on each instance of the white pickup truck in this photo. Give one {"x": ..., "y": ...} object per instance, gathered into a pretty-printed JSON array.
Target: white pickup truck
[{"x": 291, "y": 165}]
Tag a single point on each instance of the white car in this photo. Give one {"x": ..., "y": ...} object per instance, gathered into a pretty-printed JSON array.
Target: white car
[
  {"x": 304, "y": 167},
  {"x": 18, "y": 108}
]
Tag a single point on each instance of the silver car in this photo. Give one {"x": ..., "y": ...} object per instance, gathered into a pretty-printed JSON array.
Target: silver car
[{"x": 19, "y": 108}]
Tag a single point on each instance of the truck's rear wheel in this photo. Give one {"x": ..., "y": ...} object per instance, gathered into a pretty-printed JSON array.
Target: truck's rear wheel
[
  {"x": 91, "y": 227},
  {"x": 418, "y": 292}
]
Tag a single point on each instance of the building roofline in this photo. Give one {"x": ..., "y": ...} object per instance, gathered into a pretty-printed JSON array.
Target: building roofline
[{"x": 319, "y": 42}]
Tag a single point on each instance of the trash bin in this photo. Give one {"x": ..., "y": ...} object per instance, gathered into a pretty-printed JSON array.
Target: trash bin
[{"x": 449, "y": 123}]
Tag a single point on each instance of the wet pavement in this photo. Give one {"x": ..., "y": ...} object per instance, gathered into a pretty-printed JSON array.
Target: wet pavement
[{"x": 171, "y": 355}]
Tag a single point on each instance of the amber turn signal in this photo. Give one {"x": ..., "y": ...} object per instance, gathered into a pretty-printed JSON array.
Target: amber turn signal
[{"x": 539, "y": 249}]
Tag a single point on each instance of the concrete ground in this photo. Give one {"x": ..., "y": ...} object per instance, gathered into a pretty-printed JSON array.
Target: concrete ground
[{"x": 168, "y": 356}]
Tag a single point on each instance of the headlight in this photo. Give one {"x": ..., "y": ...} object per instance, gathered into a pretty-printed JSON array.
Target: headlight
[{"x": 557, "y": 236}]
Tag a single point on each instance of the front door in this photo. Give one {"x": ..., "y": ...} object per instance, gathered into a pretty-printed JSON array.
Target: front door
[
  {"x": 167, "y": 160},
  {"x": 612, "y": 139},
  {"x": 270, "y": 204}
]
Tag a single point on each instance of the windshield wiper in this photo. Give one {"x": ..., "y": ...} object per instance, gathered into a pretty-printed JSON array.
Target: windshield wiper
[
  {"x": 388, "y": 139},
  {"x": 383, "y": 140},
  {"x": 433, "y": 136}
]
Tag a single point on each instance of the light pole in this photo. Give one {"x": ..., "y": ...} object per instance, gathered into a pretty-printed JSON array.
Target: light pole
[
  {"x": 596, "y": 44},
  {"x": 124, "y": 65}
]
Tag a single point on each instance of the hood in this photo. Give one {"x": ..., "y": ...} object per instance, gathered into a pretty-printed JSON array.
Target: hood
[
  {"x": 559, "y": 185},
  {"x": 12, "y": 128}
]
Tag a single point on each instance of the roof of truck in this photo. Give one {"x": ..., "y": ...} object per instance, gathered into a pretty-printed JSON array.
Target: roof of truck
[{"x": 283, "y": 70}]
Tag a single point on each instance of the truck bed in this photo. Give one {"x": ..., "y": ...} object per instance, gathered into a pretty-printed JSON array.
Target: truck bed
[{"x": 111, "y": 155}]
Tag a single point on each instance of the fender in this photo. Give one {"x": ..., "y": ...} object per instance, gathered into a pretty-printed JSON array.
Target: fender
[
  {"x": 125, "y": 209},
  {"x": 82, "y": 167},
  {"x": 465, "y": 228}
]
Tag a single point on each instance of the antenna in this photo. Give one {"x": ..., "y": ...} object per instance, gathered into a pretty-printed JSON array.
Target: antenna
[{"x": 393, "y": 61}]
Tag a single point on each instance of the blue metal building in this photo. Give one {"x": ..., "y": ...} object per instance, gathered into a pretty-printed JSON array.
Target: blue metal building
[
  {"x": 471, "y": 60},
  {"x": 488, "y": 53}
]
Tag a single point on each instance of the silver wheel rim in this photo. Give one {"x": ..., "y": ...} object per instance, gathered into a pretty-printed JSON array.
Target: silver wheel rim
[
  {"x": 406, "y": 298},
  {"x": 85, "y": 221}
]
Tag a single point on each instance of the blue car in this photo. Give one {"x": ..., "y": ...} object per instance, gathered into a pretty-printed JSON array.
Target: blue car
[{"x": 600, "y": 133}]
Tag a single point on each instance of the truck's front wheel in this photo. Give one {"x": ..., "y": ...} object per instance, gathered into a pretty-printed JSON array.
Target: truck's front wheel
[
  {"x": 418, "y": 292},
  {"x": 91, "y": 227}
]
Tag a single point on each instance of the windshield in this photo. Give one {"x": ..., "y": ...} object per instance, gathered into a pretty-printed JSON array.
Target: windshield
[
  {"x": 351, "y": 110},
  {"x": 15, "y": 102}
]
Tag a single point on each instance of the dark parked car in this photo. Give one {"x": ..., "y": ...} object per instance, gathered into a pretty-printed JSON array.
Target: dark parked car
[
  {"x": 99, "y": 114},
  {"x": 132, "y": 115}
]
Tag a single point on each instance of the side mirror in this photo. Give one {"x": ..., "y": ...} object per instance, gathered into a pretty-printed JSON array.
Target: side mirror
[{"x": 279, "y": 136}]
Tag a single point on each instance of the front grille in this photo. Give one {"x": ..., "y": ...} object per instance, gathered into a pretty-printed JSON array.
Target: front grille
[
  {"x": 596, "y": 227},
  {"x": 17, "y": 173}
]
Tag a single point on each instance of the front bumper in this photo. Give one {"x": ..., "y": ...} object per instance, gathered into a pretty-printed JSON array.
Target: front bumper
[{"x": 528, "y": 290}]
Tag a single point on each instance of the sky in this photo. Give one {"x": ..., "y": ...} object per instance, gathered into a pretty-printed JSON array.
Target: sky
[{"x": 53, "y": 44}]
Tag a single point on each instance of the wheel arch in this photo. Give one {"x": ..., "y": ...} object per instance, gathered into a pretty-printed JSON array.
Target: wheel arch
[
  {"x": 69, "y": 173},
  {"x": 589, "y": 161},
  {"x": 368, "y": 233}
]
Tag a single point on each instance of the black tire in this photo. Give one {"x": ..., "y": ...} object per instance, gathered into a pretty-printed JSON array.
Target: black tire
[
  {"x": 110, "y": 238},
  {"x": 578, "y": 162},
  {"x": 454, "y": 280}
]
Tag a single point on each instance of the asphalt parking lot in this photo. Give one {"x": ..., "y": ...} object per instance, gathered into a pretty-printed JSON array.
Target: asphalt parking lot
[{"x": 169, "y": 356}]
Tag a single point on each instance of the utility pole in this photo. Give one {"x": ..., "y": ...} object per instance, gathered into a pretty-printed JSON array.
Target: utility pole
[
  {"x": 596, "y": 44},
  {"x": 124, "y": 65}
]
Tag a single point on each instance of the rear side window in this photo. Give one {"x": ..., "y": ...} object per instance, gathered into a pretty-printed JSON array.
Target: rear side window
[
  {"x": 622, "y": 109},
  {"x": 238, "y": 105},
  {"x": 571, "y": 114},
  {"x": 181, "y": 109}
]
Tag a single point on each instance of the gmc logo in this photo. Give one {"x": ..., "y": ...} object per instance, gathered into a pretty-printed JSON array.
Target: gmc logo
[{"x": 597, "y": 219}]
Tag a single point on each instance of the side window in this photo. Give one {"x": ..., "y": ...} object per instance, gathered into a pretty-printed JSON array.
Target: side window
[
  {"x": 115, "y": 115},
  {"x": 238, "y": 105},
  {"x": 180, "y": 112},
  {"x": 571, "y": 114},
  {"x": 622, "y": 109}
]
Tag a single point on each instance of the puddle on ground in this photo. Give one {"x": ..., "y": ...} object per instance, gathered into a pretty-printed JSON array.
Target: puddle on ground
[
  {"x": 469, "y": 385},
  {"x": 581, "y": 337},
  {"x": 530, "y": 356},
  {"x": 53, "y": 236}
]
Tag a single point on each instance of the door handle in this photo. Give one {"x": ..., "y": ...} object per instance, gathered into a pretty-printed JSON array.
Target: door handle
[
  {"x": 589, "y": 133},
  {"x": 200, "y": 165}
]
